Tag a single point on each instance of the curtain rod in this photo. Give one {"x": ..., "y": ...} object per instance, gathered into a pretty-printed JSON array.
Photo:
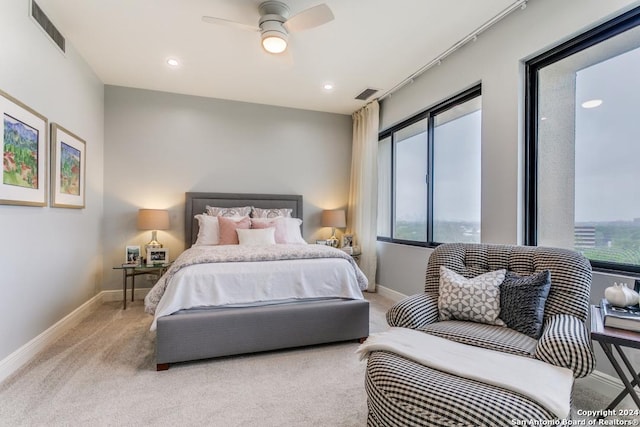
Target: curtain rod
[{"x": 470, "y": 37}]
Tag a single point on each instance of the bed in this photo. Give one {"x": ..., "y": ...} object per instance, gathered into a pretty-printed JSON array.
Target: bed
[{"x": 208, "y": 332}]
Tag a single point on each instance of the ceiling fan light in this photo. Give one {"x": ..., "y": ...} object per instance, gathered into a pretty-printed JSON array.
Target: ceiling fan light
[{"x": 274, "y": 42}]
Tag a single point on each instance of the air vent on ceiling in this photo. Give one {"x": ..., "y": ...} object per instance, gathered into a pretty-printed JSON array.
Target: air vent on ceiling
[
  {"x": 46, "y": 24},
  {"x": 366, "y": 94}
]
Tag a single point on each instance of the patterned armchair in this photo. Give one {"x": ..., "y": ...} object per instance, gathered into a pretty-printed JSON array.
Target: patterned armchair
[{"x": 402, "y": 392}]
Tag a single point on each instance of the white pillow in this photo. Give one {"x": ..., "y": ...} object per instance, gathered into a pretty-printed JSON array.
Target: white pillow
[
  {"x": 287, "y": 229},
  {"x": 293, "y": 233},
  {"x": 209, "y": 230},
  {"x": 256, "y": 236}
]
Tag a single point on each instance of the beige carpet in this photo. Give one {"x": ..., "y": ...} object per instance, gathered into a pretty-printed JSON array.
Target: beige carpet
[{"x": 103, "y": 373}]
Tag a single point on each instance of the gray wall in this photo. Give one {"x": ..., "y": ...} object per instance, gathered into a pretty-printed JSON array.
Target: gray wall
[
  {"x": 159, "y": 146},
  {"x": 50, "y": 258},
  {"x": 496, "y": 60}
]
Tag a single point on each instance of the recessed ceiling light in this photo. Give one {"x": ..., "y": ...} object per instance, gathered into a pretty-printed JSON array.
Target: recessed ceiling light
[
  {"x": 327, "y": 86},
  {"x": 592, "y": 103},
  {"x": 172, "y": 62}
]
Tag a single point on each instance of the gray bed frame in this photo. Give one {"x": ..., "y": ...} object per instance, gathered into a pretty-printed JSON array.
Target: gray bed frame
[{"x": 206, "y": 333}]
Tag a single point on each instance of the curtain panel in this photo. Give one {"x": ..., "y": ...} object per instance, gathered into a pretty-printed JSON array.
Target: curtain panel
[{"x": 363, "y": 191}]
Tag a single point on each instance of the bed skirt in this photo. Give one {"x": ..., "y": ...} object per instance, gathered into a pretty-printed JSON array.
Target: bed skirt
[{"x": 205, "y": 333}]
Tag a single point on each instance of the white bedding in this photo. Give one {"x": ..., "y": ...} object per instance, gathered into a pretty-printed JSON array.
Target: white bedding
[{"x": 257, "y": 283}]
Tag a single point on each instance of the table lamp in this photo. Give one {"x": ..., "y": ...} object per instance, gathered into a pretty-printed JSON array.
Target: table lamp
[
  {"x": 153, "y": 219},
  {"x": 335, "y": 219}
]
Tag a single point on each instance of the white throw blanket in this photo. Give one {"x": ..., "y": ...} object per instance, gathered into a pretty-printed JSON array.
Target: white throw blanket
[{"x": 546, "y": 384}]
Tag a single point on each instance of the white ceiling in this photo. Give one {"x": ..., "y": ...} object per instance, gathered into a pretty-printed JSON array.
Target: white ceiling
[{"x": 371, "y": 43}]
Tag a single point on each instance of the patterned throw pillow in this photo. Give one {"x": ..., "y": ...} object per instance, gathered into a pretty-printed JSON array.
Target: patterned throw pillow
[
  {"x": 522, "y": 301},
  {"x": 476, "y": 299},
  {"x": 271, "y": 213},
  {"x": 227, "y": 212}
]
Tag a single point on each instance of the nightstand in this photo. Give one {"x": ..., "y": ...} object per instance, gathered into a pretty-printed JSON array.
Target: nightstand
[
  {"x": 137, "y": 270},
  {"x": 612, "y": 338},
  {"x": 355, "y": 254}
]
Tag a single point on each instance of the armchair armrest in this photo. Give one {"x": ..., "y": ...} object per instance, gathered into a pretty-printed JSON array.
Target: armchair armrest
[
  {"x": 414, "y": 312},
  {"x": 566, "y": 342}
]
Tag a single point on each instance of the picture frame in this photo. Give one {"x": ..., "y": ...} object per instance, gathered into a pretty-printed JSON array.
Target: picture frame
[
  {"x": 132, "y": 255},
  {"x": 68, "y": 169},
  {"x": 24, "y": 153},
  {"x": 157, "y": 256},
  {"x": 347, "y": 240}
]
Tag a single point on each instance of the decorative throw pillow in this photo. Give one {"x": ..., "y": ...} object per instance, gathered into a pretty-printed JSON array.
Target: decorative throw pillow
[
  {"x": 265, "y": 236},
  {"x": 287, "y": 229},
  {"x": 270, "y": 213},
  {"x": 228, "y": 227},
  {"x": 216, "y": 211},
  {"x": 522, "y": 301},
  {"x": 208, "y": 230},
  {"x": 476, "y": 299}
]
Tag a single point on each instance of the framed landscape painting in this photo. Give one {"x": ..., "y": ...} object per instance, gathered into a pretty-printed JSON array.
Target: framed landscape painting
[
  {"x": 68, "y": 168},
  {"x": 24, "y": 154}
]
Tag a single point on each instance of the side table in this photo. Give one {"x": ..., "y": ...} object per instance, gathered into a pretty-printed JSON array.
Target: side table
[
  {"x": 610, "y": 338},
  {"x": 136, "y": 270}
]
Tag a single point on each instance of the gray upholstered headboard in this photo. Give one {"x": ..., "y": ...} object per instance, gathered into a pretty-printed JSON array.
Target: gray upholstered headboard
[{"x": 196, "y": 203}]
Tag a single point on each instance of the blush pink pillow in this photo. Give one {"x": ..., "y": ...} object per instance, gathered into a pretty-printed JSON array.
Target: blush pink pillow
[
  {"x": 228, "y": 226},
  {"x": 270, "y": 223}
]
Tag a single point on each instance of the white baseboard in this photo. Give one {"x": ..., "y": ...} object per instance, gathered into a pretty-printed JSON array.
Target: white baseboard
[
  {"x": 604, "y": 384},
  {"x": 21, "y": 356},
  {"x": 116, "y": 295},
  {"x": 393, "y": 295}
]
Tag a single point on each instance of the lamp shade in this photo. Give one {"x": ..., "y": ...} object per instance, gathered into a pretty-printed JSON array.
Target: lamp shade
[
  {"x": 153, "y": 219},
  {"x": 334, "y": 218}
]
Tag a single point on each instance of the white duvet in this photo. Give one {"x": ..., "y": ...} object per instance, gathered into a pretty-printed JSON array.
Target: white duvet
[{"x": 257, "y": 283}]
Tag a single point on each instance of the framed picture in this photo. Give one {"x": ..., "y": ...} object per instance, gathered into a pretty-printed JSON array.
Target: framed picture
[
  {"x": 68, "y": 169},
  {"x": 347, "y": 240},
  {"x": 157, "y": 256},
  {"x": 24, "y": 154},
  {"x": 132, "y": 255}
]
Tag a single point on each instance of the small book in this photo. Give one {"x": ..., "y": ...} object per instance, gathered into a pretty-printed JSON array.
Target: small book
[
  {"x": 131, "y": 264},
  {"x": 620, "y": 317}
]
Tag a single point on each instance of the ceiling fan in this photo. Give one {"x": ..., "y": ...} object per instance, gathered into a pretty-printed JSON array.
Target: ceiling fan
[{"x": 275, "y": 24}]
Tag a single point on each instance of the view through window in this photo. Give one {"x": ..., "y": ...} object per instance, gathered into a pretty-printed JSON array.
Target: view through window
[
  {"x": 429, "y": 175},
  {"x": 588, "y": 144}
]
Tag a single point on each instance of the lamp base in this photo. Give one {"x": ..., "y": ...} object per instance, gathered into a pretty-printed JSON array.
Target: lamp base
[
  {"x": 153, "y": 244},
  {"x": 333, "y": 240}
]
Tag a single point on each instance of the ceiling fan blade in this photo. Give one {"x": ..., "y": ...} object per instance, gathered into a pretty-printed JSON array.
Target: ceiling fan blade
[
  {"x": 228, "y": 23},
  {"x": 309, "y": 18}
]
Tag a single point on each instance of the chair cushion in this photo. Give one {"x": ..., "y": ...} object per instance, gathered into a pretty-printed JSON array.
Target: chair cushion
[
  {"x": 522, "y": 301},
  {"x": 491, "y": 337},
  {"x": 476, "y": 299}
]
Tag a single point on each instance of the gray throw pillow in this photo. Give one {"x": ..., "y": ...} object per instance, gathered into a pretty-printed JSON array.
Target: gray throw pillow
[{"x": 522, "y": 301}]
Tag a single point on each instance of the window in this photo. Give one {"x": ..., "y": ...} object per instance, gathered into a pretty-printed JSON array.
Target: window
[
  {"x": 429, "y": 175},
  {"x": 582, "y": 145}
]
